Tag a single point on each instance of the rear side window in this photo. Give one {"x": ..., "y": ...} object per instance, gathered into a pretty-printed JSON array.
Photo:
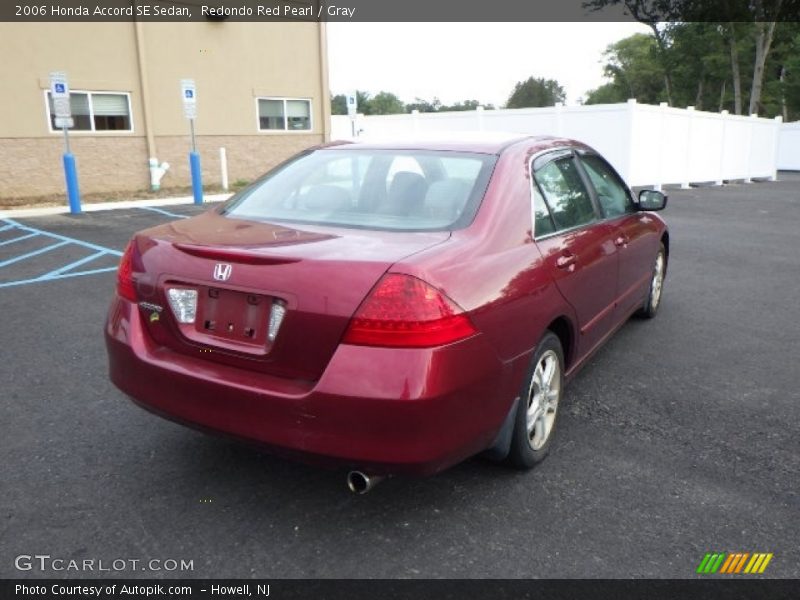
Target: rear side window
[
  {"x": 542, "y": 221},
  {"x": 567, "y": 198},
  {"x": 402, "y": 190}
]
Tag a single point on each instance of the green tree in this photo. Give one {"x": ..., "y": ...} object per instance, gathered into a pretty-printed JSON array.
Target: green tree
[
  {"x": 634, "y": 70},
  {"x": 462, "y": 105},
  {"x": 763, "y": 31},
  {"x": 791, "y": 84},
  {"x": 386, "y": 103},
  {"x": 653, "y": 13},
  {"x": 782, "y": 87},
  {"x": 748, "y": 30},
  {"x": 338, "y": 104},
  {"x": 436, "y": 105},
  {"x": 608, "y": 93},
  {"x": 633, "y": 65},
  {"x": 364, "y": 103},
  {"x": 424, "y": 105},
  {"x": 536, "y": 91},
  {"x": 701, "y": 65}
]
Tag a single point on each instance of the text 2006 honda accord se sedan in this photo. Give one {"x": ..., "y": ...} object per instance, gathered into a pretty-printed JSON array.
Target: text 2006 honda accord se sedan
[{"x": 392, "y": 308}]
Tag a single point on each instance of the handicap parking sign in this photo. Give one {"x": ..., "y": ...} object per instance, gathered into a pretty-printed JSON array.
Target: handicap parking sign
[
  {"x": 189, "y": 93},
  {"x": 59, "y": 87}
]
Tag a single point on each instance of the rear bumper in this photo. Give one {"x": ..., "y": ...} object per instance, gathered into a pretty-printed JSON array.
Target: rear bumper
[{"x": 384, "y": 410}]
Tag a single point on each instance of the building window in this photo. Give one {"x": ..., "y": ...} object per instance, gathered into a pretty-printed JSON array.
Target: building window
[
  {"x": 96, "y": 111},
  {"x": 284, "y": 114}
]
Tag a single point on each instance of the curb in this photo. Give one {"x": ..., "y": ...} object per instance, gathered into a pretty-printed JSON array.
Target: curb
[{"x": 98, "y": 206}]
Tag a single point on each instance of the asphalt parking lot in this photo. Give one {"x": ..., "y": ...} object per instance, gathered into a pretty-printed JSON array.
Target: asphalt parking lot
[{"x": 679, "y": 438}]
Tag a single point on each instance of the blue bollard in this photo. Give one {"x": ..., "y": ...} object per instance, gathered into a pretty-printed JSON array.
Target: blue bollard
[
  {"x": 71, "y": 175},
  {"x": 197, "y": 177}
]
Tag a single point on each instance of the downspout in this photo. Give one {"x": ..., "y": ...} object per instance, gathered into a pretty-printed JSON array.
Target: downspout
[
  {"x": 325, "y": 91},
  {"x": 157, "y": 170}
]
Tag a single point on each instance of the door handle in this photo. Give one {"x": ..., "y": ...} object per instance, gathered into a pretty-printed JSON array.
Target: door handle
[
  {"x": 621, "y": 241},
  {"x": 566, "y": 261}
]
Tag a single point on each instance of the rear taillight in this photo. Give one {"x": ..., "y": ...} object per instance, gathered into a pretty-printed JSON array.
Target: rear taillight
[
  {"x": 125, "y": 287},
  {"x": 405, "y": 312}
]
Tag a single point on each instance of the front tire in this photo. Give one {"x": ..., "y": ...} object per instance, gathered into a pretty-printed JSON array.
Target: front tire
[
  {"x": 650, "y": 307},
  {"x": 537, "y": 411}
]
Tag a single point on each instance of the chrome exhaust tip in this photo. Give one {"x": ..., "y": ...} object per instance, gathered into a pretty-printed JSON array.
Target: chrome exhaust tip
[{"x": 360, "y": 483}]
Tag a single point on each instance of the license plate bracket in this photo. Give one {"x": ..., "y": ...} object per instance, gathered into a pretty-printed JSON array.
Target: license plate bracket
[{"x": 233, "y": 316}]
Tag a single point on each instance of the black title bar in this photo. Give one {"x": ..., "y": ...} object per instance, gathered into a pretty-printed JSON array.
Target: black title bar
[
  {"x": 400, "y": 10},
  {"x": 349, "y": 589}
]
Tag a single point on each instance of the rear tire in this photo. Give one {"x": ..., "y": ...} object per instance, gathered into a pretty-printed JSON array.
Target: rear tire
[
  {"x": 653, "y": 302},
  {"x": 537, "y": 410}
]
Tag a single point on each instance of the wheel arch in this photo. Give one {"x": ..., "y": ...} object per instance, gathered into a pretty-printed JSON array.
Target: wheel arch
[
  {"x": 665, "y": 241},
  {"x": 562, "y": 327},
  {"x": 565, "y": 332}
]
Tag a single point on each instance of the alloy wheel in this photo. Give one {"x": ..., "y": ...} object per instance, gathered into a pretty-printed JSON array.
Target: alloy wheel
[
  {"x": 658, "y": 281},
  {"x": 543, "y": 397}
]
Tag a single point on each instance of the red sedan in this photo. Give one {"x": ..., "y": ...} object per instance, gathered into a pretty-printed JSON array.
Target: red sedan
[{"x": 392, "y": 308}]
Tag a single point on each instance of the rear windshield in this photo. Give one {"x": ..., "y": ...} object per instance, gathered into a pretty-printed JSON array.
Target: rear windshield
[{"x": 400, "y": 190}]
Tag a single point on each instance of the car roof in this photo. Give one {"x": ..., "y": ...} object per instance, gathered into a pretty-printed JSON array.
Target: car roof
[{"x": 483, "y": 142}]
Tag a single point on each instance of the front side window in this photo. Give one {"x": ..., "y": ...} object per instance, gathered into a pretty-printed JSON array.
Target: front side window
[
  {"x": 284, "y": 114},
  {"x": 612, "y": 193},
  {"x": 566, "y": 196},
  {"x": 96, "y": 111},
  {"x": 395, "y": 190}
]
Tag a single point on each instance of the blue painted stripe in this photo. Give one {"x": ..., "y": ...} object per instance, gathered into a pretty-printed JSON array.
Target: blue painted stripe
[
  {"x": 66, "y": 239},
  {"x": 11, "y": 261},
  {"x": 72, "y": 265},
  {"x": 163, "y": 212},
  {"x": 19, "y": 239},
  {"x": 64, "y": 276},
  {"x": 91, "y": 272},
  {"x": 6, "y": 227}
]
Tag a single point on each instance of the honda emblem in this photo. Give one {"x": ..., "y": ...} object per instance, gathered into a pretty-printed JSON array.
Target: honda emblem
[{"x": 222, "y": 271}]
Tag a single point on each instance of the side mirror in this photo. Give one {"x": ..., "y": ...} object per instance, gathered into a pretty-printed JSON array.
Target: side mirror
[{"x": 651, "y": 200}]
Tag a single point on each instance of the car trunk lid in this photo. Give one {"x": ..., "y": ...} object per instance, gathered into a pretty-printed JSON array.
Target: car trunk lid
[{"x": 270, "y": 297}]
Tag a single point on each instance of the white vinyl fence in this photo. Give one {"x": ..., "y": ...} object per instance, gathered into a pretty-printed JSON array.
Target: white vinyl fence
[
  {"x": 649, "y": 145},
  {"x": 789, "y": 147}
]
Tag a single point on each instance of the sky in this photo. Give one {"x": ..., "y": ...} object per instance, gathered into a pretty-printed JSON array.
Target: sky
[{"x": 463, "y": 61}]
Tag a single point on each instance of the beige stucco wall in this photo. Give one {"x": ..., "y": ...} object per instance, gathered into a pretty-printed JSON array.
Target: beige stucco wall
[
  {"x": 231, "y": 63},
  {"x": 98, "y": 57},
  {"x": 248, "y": 156},
  {"x": 32, "y": 166},
  {"x": 261, "y": 59}
]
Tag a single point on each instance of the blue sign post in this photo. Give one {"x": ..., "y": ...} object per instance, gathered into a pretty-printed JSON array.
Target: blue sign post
[
  {"x": 59, "y": 93},
  {"x": 197, "y": 174},
  {"x": 71, "y": 177},
  {"x": 189, "y": 95}
]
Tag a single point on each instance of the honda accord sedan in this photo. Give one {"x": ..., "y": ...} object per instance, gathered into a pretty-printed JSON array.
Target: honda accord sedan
[{"x": 390, "y": 308}]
